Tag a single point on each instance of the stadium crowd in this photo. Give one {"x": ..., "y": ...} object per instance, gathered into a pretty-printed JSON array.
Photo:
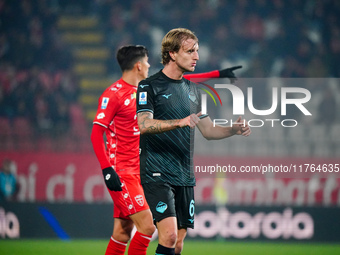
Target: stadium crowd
[
  {"x": 37, "y": 83},
  {"x": 287, "y": 38},
  {"x": 281, "y": 38}
]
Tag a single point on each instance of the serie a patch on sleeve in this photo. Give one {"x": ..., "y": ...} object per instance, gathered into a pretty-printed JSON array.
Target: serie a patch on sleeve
[
  {"x": 105, "y": 102},
  {"x": 143, "y": 98}
]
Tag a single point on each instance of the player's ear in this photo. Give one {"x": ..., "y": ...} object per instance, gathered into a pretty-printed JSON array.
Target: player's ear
[
  {"x": 172, "y": 55},
  {"x": 139, "y": 65}
]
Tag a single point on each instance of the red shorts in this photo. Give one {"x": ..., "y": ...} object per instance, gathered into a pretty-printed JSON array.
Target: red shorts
[{"x": 131, "y": 200}]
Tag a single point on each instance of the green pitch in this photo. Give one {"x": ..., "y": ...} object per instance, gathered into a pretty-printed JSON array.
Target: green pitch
[{"x": 87, "y": 247}]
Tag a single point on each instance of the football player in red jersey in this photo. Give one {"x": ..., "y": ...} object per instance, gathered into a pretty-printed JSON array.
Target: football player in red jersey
[
  {"x": 119, "y": 159},
  {"x": 116, "y": 117}
]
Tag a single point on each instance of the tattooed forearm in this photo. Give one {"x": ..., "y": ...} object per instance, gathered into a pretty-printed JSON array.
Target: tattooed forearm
[
  {"x": 141, "y": 120},
  {"x": 160, "y": 126},
  {"x": 148, "y": 125}
]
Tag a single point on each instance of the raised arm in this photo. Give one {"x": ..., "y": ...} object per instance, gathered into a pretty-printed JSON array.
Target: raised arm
[
  {"x": 224, "y": 73},
  {"x": 202, "y": 76}
]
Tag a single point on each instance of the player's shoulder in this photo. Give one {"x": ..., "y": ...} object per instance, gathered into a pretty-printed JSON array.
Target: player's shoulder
[
  {"x": 154, "y": 77},
  {"x": 150, "y": 81},
  {"x": 116, "y": 87},
  {"x": 185, "y": 80}
]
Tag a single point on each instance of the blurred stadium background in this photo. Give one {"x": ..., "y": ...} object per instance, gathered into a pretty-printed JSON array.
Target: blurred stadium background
[{"x": 56, "y": 58}]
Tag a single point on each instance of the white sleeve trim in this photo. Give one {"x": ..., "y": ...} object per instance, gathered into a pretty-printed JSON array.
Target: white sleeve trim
[
  {"x": 145, "y": 110},
  {"x": 100, "y": 124}
]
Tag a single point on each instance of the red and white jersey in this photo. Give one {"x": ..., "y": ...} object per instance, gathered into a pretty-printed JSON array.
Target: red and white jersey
[{"x": 117, "y": 113}]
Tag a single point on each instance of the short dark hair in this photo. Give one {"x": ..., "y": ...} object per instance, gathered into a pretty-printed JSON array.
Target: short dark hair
[{"x": 128, "y": 55}]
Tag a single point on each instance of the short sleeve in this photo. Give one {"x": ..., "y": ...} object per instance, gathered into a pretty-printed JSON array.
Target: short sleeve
[
  {"x": 145, "y": 98},
  {"x": 108, "y": 105}
]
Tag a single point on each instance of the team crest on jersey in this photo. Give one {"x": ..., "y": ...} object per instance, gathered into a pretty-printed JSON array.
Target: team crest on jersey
[
  {"x": 139, "y": 199},
  {"x": 133, "y": 95},
  {"x": 143, "y": 97},
  {"x": 105, "y": 102},
  {"x": 193, "y": 97}
]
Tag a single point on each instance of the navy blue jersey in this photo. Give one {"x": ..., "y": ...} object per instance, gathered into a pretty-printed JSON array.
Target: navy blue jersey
[{"x": 168, "y": 157}]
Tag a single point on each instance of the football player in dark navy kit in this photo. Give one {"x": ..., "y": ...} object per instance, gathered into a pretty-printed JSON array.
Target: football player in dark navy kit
[{"x": 168, "y": 110}]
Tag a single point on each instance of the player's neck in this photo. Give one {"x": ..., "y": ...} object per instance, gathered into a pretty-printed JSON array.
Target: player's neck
[
  {"x": 172, "y": 71},
  {"x": 131, "y": 78}
]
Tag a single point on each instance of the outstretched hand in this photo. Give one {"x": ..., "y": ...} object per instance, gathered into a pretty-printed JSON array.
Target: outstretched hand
[
  {"x": 190, "y": 121},
  {"x": 240, "y": 127},
  {"x": 229, "y": 73}
]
